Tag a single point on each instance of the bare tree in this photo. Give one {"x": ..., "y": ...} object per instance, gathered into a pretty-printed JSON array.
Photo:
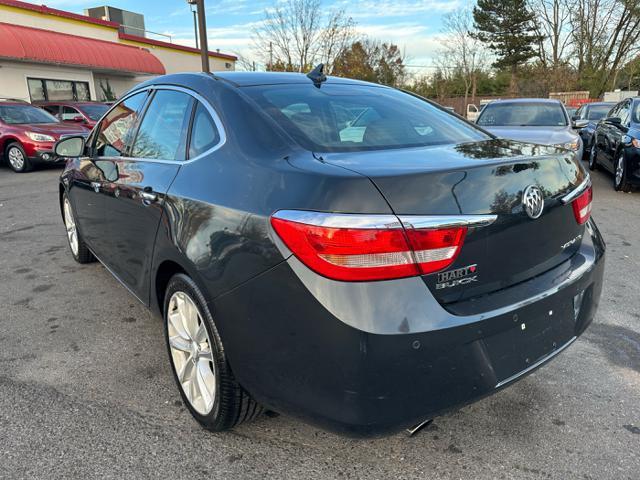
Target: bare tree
[
  {"x": 295, "y": 34},
  {"x": 554, "y": 29},
  {"x": 462, "y": 51},
  {"x": 605, "y": 35}
]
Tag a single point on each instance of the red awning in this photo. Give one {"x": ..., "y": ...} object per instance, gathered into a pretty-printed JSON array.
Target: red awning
[{"x": 44, "y": 46}]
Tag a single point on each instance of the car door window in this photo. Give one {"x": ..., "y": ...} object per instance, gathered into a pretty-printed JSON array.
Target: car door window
[
  {"x": 118, "y": 126},
  {"x": 163, "y": 131},
  {"x": 624, "y": 114},
  {"x": 580, "y": 113},
  {"x": 69, "y": 113},
  {"x": 204, "y": 133}
]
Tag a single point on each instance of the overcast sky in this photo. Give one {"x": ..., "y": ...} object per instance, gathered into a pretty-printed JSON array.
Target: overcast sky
[{"x": 414, "y": 25}]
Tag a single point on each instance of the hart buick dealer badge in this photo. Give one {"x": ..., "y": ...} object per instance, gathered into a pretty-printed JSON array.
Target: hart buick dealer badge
[{"x": 460, "y": 276}]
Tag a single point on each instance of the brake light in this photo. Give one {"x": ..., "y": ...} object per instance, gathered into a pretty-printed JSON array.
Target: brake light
[
  {"x": 359, "y": 248},
  {"x": 582, "y": 206}
]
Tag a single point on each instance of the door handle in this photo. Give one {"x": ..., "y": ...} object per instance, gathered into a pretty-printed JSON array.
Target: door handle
[{"x": 148, "y": 195}]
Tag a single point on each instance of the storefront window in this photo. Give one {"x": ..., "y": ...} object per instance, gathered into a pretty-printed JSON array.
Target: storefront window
[
  {"x": 36, "y": 89},
  {"x": 82, "y": 91},
  {"x": 55, "y": 90}
]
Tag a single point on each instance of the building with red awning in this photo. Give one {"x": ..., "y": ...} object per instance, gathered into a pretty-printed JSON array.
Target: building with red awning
[{"x": 51, "y": 54}]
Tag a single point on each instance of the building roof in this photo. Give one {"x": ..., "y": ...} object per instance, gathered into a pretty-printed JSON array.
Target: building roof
[
  {"x": 44, "y": 46},
  {"x": 43, "y": 9},
  {"x": 173, "y": 46}
]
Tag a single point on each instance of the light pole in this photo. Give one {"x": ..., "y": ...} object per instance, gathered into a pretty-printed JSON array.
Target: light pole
[{"x": 202, "y": 31}]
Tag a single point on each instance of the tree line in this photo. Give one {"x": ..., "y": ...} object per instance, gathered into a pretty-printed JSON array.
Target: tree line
[{"x": 490, "y": 47}]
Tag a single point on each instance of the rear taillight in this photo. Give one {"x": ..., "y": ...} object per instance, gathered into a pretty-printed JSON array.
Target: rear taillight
[
  {"x": 359, "y": 248},
  {"x": 582, "y": 206}
]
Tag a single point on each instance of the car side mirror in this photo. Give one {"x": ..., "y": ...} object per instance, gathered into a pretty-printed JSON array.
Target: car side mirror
[
  {"x": 78, "y": 118},
  {"x": 69, "y": 146},
  {"x": 577, "y": 123},
  {"x": 614, "y": 120}
]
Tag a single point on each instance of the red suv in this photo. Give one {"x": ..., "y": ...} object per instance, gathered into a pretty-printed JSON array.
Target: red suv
[
  {"x": 85, "y": 114},
  {"x": 28, "y": 133}
]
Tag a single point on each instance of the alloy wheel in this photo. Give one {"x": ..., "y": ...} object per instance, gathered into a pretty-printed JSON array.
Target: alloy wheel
[
  {"x": 620, "y": 170},
  {"x": 70, "y": 224},
  {"x": 16, "y": 158},
  {"x": 191, "y": 352}
]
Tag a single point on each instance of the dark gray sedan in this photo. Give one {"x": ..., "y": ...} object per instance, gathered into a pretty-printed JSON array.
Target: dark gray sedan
[{"x": 332, "y": 249}]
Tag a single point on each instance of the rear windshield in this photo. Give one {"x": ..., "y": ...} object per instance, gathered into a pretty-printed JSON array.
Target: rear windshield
[
  {"x": 18, "y": 114},
  {"x": 529, "y": 114},
  {"x": 342, "y": 118},
  {"x": 94, "y": 112},
  {"x": 596, "y": 112}
]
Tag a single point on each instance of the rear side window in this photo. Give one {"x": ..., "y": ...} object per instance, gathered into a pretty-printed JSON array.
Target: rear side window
[
  {"x": 337, "y": 118},
  {"x": 163, "y": 132},
  {"x": 52, "y": 109},
  {"x": 204, "y": 133},
  {"x": 117, "y": 127}
]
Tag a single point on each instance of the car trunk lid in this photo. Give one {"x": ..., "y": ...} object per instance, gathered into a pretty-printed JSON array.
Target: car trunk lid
[{"x": 483, "y": 178}]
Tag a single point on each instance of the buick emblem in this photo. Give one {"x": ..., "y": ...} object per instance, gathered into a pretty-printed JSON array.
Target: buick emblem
[{"x": 533, "y": 201}]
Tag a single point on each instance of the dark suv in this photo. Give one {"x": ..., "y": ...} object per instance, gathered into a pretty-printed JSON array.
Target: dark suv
[
  {"x": 85, "y": 114},
  {"x": 28, "y": 133}
]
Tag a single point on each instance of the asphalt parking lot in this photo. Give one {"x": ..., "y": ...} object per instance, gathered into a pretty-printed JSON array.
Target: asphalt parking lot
[{"x": 86, "y": 391}]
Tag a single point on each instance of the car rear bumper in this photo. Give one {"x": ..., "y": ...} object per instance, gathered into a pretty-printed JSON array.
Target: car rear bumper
[{"x": 371, "y": 358}]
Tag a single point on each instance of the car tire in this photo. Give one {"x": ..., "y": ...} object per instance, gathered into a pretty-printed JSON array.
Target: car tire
[
  {"x": 593, "y": 157},
  {"x": 78, "y": 248},
  {"x": 198, "y": 360},
  {"x": 17, "y": 158},
  {"x": 620, "y": 182}
]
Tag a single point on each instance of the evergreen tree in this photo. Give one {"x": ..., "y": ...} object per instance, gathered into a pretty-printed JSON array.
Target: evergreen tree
[{"x": 507, "y": 27}]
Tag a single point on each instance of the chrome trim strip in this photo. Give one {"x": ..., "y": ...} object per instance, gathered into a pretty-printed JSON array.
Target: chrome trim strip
[
  {"x": 576, "y": 192},
  {"x": 383, "y": 221},
  {"x": 535, "y": 365},
  {"x": 339, "y": 220},
  {"x": 207, "y": 105},
  {"x": 447, "y": 221}
]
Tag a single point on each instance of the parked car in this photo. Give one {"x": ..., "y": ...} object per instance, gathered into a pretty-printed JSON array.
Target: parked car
[
  {"x": 86, "y": 114},
  {"x": 364, "y": 281},
  {"x": 542, "y": 121},
  {"x": 586, "y": 119},
  {"x": 616, "y": 144},
  {"x": 28, "y": 134}
]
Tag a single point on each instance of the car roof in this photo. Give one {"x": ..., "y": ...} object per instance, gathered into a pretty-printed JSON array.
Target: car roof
[
  {"x": 598, "y": 104},
  {"x": 245, "y": 79},
  {"x": 526, "y": 100},
  {"x": 68, "y": 102},
  {"x": 15, "y": 103}
]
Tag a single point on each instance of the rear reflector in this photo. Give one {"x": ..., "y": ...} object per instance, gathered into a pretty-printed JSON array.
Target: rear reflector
[
  {"x": 582, "y": 206},
  {"x": 364, "y": 248}
]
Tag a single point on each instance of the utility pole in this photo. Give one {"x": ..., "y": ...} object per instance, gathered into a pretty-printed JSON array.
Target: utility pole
[{"x": 202, "y": 31}]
